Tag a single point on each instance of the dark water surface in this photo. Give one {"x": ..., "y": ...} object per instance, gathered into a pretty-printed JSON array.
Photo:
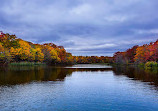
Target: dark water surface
[{"x": 78, "y": 88}]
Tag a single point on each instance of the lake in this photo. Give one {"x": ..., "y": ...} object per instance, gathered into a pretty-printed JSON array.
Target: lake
[{"x": 78, "y": 88}]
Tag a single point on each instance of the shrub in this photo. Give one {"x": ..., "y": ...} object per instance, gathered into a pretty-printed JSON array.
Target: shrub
[{"x": 151, "y": 64}]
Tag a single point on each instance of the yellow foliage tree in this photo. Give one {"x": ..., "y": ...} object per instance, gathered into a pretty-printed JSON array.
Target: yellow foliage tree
[
  {"x": 50, "y": 54},
  {"x": 1, "y": 52},
  {"x": 39, "y": 56},
  {"x": 54, "y": 55},
  {"x": 24, "y": 50}
]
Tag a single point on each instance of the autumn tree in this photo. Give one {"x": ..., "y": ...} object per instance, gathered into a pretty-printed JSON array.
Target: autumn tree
[
  {"x": 39, "y": 56},
  {"x": 50, "y": 55},
  {"x": 1, "y": 52}
]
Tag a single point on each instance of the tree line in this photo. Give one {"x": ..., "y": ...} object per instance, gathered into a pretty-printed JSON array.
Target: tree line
[
  {"x": 138, "y": 54},
  {"x": 13, "y": 49}
]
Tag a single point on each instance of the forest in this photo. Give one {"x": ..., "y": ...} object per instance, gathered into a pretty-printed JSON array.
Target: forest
[
  {"x": 138, "y": 54},
  {"x": 15, "y": 50}
]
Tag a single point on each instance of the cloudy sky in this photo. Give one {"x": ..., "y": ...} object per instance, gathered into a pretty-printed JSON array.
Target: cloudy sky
[{"x": 83, "y": 27}]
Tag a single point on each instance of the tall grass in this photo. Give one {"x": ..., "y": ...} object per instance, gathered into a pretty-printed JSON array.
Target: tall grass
[{"x": 26, "y": 63}]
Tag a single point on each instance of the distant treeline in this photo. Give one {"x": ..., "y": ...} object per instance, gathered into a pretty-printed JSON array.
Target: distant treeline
[{"x": 13, "y": 49}]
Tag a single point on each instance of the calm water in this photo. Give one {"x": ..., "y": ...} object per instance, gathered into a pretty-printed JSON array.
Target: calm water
[{"x": 78, "y": 88}]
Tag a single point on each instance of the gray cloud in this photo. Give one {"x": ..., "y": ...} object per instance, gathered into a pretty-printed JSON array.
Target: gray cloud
[{"x": 83, "y": 27}]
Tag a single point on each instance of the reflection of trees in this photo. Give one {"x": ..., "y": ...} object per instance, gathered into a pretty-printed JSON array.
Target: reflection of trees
[
  {"x": 136, "y": 73},
  {"x": 18, "y": 75},
  {"x": 25, "y": 74}
]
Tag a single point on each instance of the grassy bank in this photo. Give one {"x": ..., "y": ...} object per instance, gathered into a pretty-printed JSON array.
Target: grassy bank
[
  {"x": 26, "y": 64},
  {"x": 148, "y": 65}
]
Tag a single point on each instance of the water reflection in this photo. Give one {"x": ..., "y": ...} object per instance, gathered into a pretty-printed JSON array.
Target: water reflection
[
  {"x": 78, "y": 89},
  {"x": 136, "y": 73},
  {"x": 19, "y": 75},
  {"x": 25, "y": 74}
]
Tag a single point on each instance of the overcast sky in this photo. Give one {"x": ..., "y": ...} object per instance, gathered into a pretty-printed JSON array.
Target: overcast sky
[{"x": 83, "y": 27}]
